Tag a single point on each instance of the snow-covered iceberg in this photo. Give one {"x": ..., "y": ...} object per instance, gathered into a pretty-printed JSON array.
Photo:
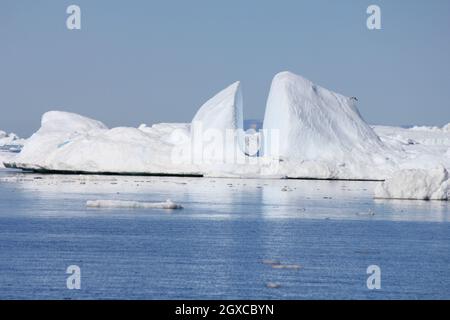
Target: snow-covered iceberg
[
  {"x": 308, "y": 132},
  {"x": 416, "y": 184},
  {"x": 68, "y": 142},
  {"x": 322, "y": 134},
  {"x": 315, "y": 123}
]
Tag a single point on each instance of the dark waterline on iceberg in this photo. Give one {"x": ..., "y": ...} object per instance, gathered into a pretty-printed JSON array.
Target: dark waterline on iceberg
[{"x": 157, "y": 174}]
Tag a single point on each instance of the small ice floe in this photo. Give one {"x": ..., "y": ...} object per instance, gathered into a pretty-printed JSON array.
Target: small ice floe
[
  {"x": 275, "y": 264},
  {"x": 369, "y": 213},
  {"x": 270, "y": 262},
  {"x": 273, "y": 285},
  {"x": 168, "y": 204},
  {"x": 286, "y": 266}
]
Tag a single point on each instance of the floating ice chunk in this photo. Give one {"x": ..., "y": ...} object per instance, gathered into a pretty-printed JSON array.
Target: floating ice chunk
[
  {"x": 417, "y": 184},
  {"x": 369, "y": 213},
  {"x": 273, "y": 285},
  {"x": 168, "y": 204},
  {"x": 275, "y": 264},
  {"x": 286, "y": 266}
]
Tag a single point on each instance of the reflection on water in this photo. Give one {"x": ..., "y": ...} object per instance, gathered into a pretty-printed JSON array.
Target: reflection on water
[
  {"x": 212, "y": 198},
  {"x": 216, "y": 245}
]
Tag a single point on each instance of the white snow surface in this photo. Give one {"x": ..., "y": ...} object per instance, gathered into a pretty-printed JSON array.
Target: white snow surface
[
  {"x": 420, "y": 149},
  {"x": 417, "y": 184},
  {"x": 168, "y": 204},
  {"x": 212, "y": 125},
  {"x": 316, "y": 123},
  {"x": 223, "y": 111},
  {"x": 70, "y": 142},
  {"x": 320, "y": 135}
]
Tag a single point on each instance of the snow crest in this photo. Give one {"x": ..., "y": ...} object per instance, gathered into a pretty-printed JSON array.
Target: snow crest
[{"x": 223, "y": 111}]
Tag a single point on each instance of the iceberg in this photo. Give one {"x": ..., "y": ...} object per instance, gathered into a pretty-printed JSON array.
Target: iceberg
[
  {"x": 416, "y": 184},
  {"x": 68, "y": 142},
  {"x": 322, "y": 134},
  {"x": 315, "y": 123},
  {"x": 10, "y": 145},
  {"x": 10, "y": 139},
  {"x": 308, "y": 132}
]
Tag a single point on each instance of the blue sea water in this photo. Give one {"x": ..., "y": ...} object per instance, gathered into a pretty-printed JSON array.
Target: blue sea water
[{"x": 214, "y": 248}]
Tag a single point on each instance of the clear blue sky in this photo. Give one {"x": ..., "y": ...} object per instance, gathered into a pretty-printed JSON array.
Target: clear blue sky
[{"x": 157, "y": 61}]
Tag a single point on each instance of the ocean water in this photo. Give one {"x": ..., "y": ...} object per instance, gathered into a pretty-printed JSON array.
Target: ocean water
[{"x": 215, "y": 247}]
